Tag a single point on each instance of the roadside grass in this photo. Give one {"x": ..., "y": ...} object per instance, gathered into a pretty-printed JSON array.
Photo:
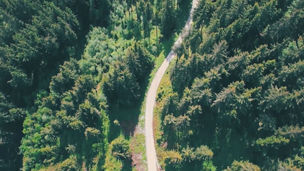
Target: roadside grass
[
  {"x": 137, "y": 144},
  {"x": 163, "y": 93}
]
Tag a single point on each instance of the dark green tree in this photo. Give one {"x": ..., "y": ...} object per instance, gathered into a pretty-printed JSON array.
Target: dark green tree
[{"x": 168, "y": 23}]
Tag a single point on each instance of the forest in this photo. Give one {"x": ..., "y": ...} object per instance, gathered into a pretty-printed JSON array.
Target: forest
[
  {"x": 65, "y": 67},
  {"x": 74, "y": 74},
  {"x": 233, "y": 99}
]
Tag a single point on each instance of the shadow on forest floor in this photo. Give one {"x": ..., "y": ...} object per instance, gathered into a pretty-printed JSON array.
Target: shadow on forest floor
[
  {"x": 127, "y": 165},
  {"x": 127, "y": 116}
]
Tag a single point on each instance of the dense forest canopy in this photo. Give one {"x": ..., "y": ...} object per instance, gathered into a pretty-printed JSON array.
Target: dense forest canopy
[
  {"x": 65, "y": 65},
  {"x": 237, "y": 87},
  {"x": 71, "y": 70}
]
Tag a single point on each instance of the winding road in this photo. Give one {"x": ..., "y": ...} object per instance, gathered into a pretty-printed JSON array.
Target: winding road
[{"x": 151, "y": 96}]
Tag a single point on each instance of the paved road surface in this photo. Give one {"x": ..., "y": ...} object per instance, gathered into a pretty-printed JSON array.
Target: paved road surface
[{"x": 151, "y": 96}]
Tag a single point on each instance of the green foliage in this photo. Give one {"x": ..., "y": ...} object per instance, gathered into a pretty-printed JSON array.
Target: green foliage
[
  {"x": 190, "y": 158},
  {"x": 123, "y": 86},
  {"x": 100, "y": 51},
  {"x": 76, "y": 125},
  {"x": 50, "y": 29},
  {"x": 270, "y": 141},
  {"x": 200, "y": 154},
  {"x": 139, "y": 62},
  {"x": 237, "y": 85},
  {"x": 168, "y": 21},
  {"x": 11, "y": 119},
  {"x": 208, "y": 166},
  {"x": 120, "y": 148},
  {"x": 69, "y": 164},
  {"x": 41, "y": 42},
  {"x": 186, "y": 66},
  {"x": 72, "y": 120},
  {"x": 243, "y": 166},
  {"x": 44, "y": 40},
  {"x": 66, "y": 77}
]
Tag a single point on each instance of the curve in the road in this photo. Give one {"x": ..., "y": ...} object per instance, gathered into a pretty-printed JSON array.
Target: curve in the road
[{"x": 151, "y": 96}]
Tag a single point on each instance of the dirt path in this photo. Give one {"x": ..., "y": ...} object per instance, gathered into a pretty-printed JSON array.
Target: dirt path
[{"x": 151, "y": 96}]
